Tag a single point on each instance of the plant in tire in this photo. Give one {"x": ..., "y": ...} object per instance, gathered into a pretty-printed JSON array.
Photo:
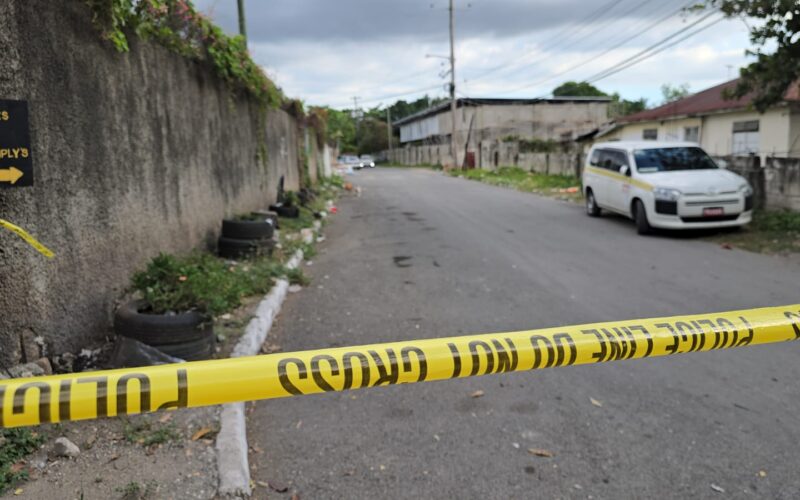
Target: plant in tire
[{"x": 179, "y": 295}]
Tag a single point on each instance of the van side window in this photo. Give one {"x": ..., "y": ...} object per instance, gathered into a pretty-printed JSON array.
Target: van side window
[
  {"x": 620, "y": 159},
  {"x": 595, "y": 158}
]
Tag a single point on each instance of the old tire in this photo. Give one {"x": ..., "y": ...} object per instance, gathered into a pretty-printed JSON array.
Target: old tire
[
  {"x": 286, "y": 211},
  {"x": 640, "y": 216},
  {"x": 247, "y": 229},
  {"x": 158, "y": 330},
  {"x": 233, "y": 248},
  {"x": 191, "y": 351}
]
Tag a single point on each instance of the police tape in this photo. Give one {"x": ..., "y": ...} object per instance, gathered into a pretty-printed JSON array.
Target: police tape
[
  {"x": 112, "y": 393},
  {"x": 30, "y": 240}
]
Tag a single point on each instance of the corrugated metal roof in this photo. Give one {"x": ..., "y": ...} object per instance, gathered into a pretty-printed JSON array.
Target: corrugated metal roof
[{"x": 702, "y": 103}]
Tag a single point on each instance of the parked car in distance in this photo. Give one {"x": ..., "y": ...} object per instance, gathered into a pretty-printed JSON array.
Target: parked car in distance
[
  {"x": 351, "y": 160},
  {"x": 367, "y": 161},
  {"x": 669, "y": 185}
]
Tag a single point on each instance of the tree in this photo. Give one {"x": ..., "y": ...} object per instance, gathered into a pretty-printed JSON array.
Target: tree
[
  {"x": 372, "y": 138},
  {"x": 341, "y": 129},
  {"x": 575, "y": 89},
  {"x": 622, "y": 107},
  {"x": 772, "y": 72},
  {"x": 672, "y": 93}
]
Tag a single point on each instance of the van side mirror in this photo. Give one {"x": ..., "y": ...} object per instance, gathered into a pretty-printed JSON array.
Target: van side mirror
[
  {"x": 722, "y": 163},
  {"x": 625, "y": 170}
]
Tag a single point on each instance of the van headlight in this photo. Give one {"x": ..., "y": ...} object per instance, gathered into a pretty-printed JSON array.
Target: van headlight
[
  {"x": 666, "y": 194},
  {"x": 746, "y": 189}
]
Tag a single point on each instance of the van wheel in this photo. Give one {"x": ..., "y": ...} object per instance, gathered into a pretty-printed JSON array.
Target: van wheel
[
  {"x": 591, "y": 204},
  {"x": 640, "y": 216}
]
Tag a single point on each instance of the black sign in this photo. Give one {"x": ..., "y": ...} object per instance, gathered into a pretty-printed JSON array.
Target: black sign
[{"x": 16, "y": 163}]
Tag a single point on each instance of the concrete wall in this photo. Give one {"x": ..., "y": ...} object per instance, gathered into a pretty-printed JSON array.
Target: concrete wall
[
  {"x": 494, "y": 154},
  {"x": 776, "y": 182},
  {"x": 133, "y": 154}
]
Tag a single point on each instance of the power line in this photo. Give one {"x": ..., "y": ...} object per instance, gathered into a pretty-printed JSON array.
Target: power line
[
  {"x": 556, "y": 39},
  {"x": 607, "y": 73},
  {"x": 597, "y": 56}
]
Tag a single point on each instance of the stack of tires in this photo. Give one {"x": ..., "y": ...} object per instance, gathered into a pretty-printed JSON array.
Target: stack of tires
[
  {"x": 188, "y": 335},
  {"x": 246, "y": 238}
]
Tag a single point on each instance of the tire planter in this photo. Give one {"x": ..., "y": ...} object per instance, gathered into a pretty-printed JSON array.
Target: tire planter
[
  {"x": 286, "y": 211},
  {"x": 233, "y": 248},
  {"x": 188, "y": 335},
  {"x": 247, "y": 229}
]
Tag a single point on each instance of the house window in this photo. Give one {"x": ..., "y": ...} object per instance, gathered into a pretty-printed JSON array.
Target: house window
[
  {"x": 650, "y": 134},
  {"x": 691, "y": 134},
  {"x": 745, "y": 137}
]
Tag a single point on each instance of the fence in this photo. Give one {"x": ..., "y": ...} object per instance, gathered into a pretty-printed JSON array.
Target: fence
[{"x": 776, "y": 184}]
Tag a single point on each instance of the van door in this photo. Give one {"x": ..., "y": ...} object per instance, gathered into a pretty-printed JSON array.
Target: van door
[
  {"x": 619, "y": 185},
  {"x": 595, "y": 178}
]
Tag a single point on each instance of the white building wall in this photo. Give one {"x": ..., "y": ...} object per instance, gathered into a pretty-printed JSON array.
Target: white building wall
[
  {"x": 773, "y": 133},
  {"x": 776, "y": 127}
]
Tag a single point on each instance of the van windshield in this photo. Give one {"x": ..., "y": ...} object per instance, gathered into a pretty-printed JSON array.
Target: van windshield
[{"x": 670, "y": 159}]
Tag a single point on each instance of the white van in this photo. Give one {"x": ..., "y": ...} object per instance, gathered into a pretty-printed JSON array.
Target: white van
[{"x": 669, "y": 185}]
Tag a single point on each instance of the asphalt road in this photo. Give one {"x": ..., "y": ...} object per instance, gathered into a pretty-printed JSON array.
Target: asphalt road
[{"x": 423, "y": 255}]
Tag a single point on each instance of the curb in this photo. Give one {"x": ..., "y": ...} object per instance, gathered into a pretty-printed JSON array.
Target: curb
[{"x": 232, "y": 463}]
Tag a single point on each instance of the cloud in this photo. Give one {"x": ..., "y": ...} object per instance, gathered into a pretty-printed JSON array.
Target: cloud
[{"x": 326, "y": 52}]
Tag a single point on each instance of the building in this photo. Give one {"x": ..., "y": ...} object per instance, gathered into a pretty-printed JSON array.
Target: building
[
  {"x": 722, "y": 127},
  {"x": 482, "y": 125}
]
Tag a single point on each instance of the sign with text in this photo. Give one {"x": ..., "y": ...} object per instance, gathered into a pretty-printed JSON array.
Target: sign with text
[{"x": 16, "y": 164}]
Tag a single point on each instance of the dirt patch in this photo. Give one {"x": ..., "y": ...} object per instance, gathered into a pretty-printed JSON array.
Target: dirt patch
[{"x": 147, "y": 456}]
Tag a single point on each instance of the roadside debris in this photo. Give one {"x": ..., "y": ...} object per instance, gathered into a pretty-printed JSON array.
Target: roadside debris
[
  {"x": 476, "y": 394},
  {"x": 63, "y": 447},
  {"x": 716, "y": 488},
  {"x": 597, "y": 403},
  {"x": 540, "y": 452}
]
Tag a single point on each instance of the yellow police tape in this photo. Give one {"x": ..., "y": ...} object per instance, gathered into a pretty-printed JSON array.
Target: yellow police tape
[
  {"x": 120, "y": 392},
  {"x": 28, "y": 238}
]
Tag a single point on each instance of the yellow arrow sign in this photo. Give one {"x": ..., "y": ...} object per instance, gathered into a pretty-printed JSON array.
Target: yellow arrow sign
[{"x": 11, "y": 175}]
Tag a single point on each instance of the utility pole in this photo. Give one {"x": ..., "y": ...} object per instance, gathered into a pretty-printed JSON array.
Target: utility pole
[
  {"x": 389, "y": 131},
  {"x": 242, "y": 23},
  {"x": 453, "y": 146},
  {"x": 357, "y": 118}
]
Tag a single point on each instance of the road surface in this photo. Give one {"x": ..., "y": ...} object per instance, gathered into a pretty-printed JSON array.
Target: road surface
[{"x": 422, "y": 255}]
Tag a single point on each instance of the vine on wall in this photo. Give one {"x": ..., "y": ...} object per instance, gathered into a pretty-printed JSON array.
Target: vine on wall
[{"x": 176, "y": 25}]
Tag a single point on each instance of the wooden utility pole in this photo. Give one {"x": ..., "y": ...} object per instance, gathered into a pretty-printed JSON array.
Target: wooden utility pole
[
  {"x": 389, "y": 130},
  {"x": 453, "y": 146},
  {"x": 242, "y": 23}
]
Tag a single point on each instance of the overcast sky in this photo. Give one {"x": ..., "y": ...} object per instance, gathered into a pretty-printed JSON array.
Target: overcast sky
[{"x": 328, "y": 51}]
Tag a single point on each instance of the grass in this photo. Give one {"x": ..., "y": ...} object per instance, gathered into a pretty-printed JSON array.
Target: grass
[
  {"x": 772, "y": 231},
  {"x": 14, "y": 445},
  {"x": 304, "y": 220},
  {"x": 522, "y": 180},
  {"x": 203, "y": 282},
  {"x": 145, "y": 434},
  {"x": 136, "y": 491},
  {"x": 431, "y": 166}
]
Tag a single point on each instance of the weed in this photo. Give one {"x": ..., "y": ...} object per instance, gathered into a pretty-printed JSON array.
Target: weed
[
  {"x": 203, "y": 282},
  {"x": 769, "y": 232},
  {"x": 14, "y": 445},
  {"x": 304, "y": 220},
  {"x": 145, "y": 434},
  {"x": 297, "y": 277},
  {"x": 518, "y": 178},
  {"x": 136, "y": 491}
]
